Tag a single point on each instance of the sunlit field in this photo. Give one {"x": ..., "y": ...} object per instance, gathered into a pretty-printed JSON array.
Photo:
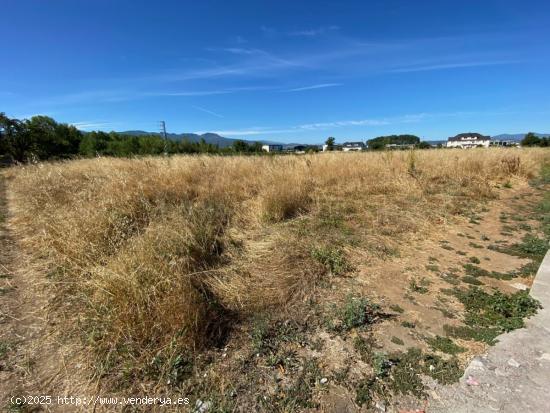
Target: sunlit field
[{"x": 153, "y": 263}]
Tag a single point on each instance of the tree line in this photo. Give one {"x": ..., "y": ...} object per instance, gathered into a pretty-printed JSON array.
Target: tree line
[
  {"x": 380, "y": 142},
  {"x": 42, "y": 138},
  {"x": 532, "y": 139}
]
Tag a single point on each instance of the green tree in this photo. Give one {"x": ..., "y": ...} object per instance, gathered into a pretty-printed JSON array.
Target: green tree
[
  {"x": 330, "y": 143},
  {"x": 530, "y": 140},
  {"x": 381, "y": 141},
  {"x": 14, "y": 142},
  {"x": 240, "y": 146}
]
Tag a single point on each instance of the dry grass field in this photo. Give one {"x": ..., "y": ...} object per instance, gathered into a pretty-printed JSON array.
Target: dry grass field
[{"x": 286, "y": 283}]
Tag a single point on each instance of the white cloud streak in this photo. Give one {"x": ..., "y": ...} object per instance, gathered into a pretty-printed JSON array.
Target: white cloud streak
[
  {"x": 456, "y": 65},
  {"x": 90, "y": 125},
  {"x": 314, "y": 32},
  {"x": 323, "y": 125},
  {"x": 318, "y": 86},
  {"x": 208, "y": 111}
]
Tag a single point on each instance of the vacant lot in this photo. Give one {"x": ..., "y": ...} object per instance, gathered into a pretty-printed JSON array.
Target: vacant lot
[{"x": 284, "y": 283}]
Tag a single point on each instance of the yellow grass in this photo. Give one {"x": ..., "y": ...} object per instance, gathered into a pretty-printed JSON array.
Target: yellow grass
[{"x": 151, "y": 256}]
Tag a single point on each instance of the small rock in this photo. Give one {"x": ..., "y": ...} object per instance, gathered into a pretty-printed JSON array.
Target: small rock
[
  {"x": 500, "y": 373},
  {"x": 381, "y": 406},
  {"x": 513, "y": 363},
  {"x": 324, "y": 380},
  {"x": 201, "y": 407},
  {"x": 477, "y": 363},
  {"x": 470, "y": 381},
  {"x": 545, "y": 356},
  {"x": 519, "y": 286}
]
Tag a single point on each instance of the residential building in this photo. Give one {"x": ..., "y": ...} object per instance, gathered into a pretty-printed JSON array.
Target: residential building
[
  {"x": 469, "y": 140},
  {"x": 272, "y": 148},
  {"x": 353, "y": 146},
  {"x": 507, "y": 142},
  {"x": 335, "y": 147}
]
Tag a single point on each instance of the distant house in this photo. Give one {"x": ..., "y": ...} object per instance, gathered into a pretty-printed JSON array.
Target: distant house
[
  {"x": 335, "y": 147},
  {"x": 469, "y": 140},
  {"x": 504, "y": 142},
  {"x": 353, "y": 146},
  {"x": 272, "y": 148},
  {"x": 399, "y": 146}
]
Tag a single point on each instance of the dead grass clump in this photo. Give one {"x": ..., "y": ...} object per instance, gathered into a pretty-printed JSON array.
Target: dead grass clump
[
  {"x": 270, "y": 271},
  {"x": 285, "y": 195},
  {"x": 154, "y": 290}
]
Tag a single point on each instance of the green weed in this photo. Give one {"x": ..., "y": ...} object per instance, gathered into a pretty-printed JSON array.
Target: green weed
[
  {"x": 398, "y": 341},
  {"x": 445, "y": 345},
  {"x": 488, "y": 315},
  {"x": 468, "y": 279},
  {"x": 333, "y": 259}
]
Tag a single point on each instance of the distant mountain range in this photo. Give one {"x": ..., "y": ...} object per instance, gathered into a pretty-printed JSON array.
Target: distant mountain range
[
  {"x": 517, "y": 136},
  {"x": 212, "y": 138}
]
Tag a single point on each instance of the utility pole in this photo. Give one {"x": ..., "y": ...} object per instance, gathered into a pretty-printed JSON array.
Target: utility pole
[{"x": 163, "y": 132}]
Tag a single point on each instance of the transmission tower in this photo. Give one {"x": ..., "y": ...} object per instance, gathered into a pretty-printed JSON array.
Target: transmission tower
[{"x": 163, "y": 132}]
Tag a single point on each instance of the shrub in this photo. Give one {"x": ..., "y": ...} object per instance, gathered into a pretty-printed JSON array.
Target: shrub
[
  {"x": 333, "y": 259},
  {"x": 357, "y": 312}
]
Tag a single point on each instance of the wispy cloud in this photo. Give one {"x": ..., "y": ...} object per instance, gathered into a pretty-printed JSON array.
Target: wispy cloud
[
  {"x": 241, "y": 51},
  {"x": 364, "y": 122},
  {"x": 251, "y": 131},
  {"x": 89, "y": 125},
  {"x": 113, "y": 95},
  {"x": 310, "y": 32},
  {"x": 208, "y": 111},
  {"x": 318, "y": 86},
  {"x": 187, "y": 93},
  {"x": 455, "y": 65},
  {"x": 266, "y": 131},
  {"x": 314, "y": 32}
]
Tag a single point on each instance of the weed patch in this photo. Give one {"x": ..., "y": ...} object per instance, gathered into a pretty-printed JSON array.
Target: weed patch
[
  {"x": 474, "y": 260},
  {"x": 397, "y": 308},
  {"x": 401, "y": 374},
  {"x": 468, "y": 279},
  {"x": 445, "y": 345},
  {"x": 333, "y": 259},
  {"x": 357, "y": 312},
  {"x": 398, "y": 341},
  {"x": 488, "y": 315},
  {"x": 420, "y": 287}
]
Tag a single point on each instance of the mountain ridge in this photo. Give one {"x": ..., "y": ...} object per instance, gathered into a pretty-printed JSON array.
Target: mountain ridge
[{"x": 209, "y": 137}]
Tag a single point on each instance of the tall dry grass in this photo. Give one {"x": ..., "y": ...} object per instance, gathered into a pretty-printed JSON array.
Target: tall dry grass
[{"x": 153, "y": 256}]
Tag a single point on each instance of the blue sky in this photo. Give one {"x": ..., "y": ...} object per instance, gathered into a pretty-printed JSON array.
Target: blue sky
[{"x": 288, "y": 71}]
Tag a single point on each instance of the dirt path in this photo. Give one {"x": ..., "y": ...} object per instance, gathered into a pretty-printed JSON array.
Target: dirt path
[{"x": 32, "y": 360}]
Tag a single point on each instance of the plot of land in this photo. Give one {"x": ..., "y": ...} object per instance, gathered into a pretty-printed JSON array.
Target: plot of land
[{"x": 330, "y": 282}]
